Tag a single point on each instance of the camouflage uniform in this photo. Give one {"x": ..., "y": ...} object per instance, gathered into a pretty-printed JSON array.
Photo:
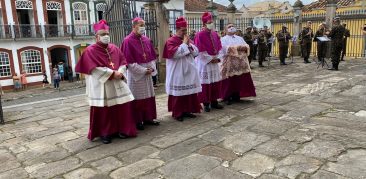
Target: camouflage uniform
[
  {"x": 306, "y": 42},
  {"x": 347, "y": 34},
  {"x": 255, "y": 46},
  {"x": 337, "y": 34},
  {"x": 283, "y": 38},
  {"x": 268, "y": 35},
  {"x": 262, "y": 48},
  {"x": 249, "y": 40}
]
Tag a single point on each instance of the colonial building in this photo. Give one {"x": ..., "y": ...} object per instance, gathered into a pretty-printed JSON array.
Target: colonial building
[
  {"x": 195, "y": 8},
  {"x": 264, "y": 8},
  {"x": 35, "y": 35}
]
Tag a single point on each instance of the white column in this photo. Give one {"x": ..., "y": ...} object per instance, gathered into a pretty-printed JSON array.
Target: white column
[
  {"x": 72, "y": 56},
  {"x": 46, "y": 61},
  {"x": 40, "y": 12},
  {"x": 15, "y": 58},
  {"x": 67, "y": 12},
  {"x": 91, "y": 12},
  {"x": 9, "y": 12}
]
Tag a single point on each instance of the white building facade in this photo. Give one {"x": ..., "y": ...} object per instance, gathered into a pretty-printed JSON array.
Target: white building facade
[{"x": 35, "y": 35}]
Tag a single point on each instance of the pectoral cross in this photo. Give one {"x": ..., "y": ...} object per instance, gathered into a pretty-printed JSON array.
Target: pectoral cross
[
  {"x": 144, "y": 56},
  {"x": 111, "y": 64}
]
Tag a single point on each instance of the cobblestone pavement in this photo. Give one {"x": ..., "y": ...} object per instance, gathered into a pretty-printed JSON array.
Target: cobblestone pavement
[
  {"x": 305, "y": 123},
  {"x": 38, "y": 93}
]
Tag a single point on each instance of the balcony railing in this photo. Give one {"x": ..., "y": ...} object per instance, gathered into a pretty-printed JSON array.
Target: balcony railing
[
  {"x": 25, "y": 31},
  {"x": 82, "y": 30},
  {"x": 5, "y": 32},
  {"x": 58, "y": 31}
]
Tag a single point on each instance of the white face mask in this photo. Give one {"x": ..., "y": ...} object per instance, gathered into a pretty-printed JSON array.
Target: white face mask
[
  {"x": 210, "y": 26},
  {"x": 142, "y": 30},
  {"x": 231, "y": 30},
  {"x": 105, "y": 39}
]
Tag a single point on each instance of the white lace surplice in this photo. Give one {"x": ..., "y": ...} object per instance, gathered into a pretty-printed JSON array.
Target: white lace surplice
[
  {"x": 102, "y": 92},
  {"x": 181, "y": 74},
  {"x": 141, "y": 84}
]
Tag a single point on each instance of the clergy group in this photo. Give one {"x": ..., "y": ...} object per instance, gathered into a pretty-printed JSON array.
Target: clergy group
[{"x": 199, "y": 72}]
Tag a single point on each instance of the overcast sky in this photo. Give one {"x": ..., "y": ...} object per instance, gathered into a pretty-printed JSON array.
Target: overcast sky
[{"x": 239, "y": 3}]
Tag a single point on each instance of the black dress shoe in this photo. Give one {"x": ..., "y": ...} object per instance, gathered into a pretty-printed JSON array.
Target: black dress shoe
[
  {"x": 217, "y": 106},
  {"x": 122, "y": 136},
  {"x": 283, "y": 64},
  {"x": 180, "y": 118},
  {"x": 207, "y": 108},
  {"x": 140, "y": 126},
  {"x": 106, "y": 139},
  {"x": 152, "y": 123},
  {"x": 189, "y": 115},
  {"x": 261, "y": 65},
  {"x": 228, "y": 102}
]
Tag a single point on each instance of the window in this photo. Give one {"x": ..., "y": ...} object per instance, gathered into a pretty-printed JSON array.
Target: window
[
  {"x": 83, "y": 16},
  {"x": 5, "y": 70},
  {"x": 23, "y": 4},
  {"x": 80, "y": 11},
  {"x": 100, "y": 9},
  {"x": 77, "y": 15},
  {"x": 31, "y": 61},
  {"x": 54, "y": 6}
]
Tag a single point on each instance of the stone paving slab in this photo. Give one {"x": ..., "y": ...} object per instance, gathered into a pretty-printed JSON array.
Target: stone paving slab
[{"x": 304, "y": 124}]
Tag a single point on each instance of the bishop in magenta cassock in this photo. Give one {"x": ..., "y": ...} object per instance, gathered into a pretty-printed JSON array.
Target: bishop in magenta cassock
[
  {"x": 109, "y": 96},
  {"x": 209, "y": 45},
  {"x": 182, "y": 79},
  {"x": 140, "y": 55},
  {"x": 235, "y": 69}
]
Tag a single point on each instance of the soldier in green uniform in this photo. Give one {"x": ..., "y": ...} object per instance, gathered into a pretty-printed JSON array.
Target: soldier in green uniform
[
  {"x": 255, "y": 34},
  {"x": 269, "y": 36},
  {"x": 306, "y": 38},
  {"x": 337, "y": 36},
  {"x": 283, "y": 38},
  {"x": 347, "y": 34},
  {"x": 248, "y": 37},
  {"x": 262, "y": 47}
]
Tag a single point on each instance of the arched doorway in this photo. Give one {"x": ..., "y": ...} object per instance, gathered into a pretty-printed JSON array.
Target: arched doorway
[{"x": 59, "y": 57}]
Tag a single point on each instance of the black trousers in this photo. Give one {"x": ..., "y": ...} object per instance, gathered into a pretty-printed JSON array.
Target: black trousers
[
  {"x": 344, "y": 49},
  {"x": 250, "y": 57},
  {"x": 255, "y": 50},
  {"x": 262, "y": 53},
  {"x": 269, "y": 49},
  {"x": 155, "y": 79},
  {"x": 283, "y": 52},
  {"x": 321, "y": 50},
  {"x": 306, "y": 49},
  {"x": 336, "y": 53}
]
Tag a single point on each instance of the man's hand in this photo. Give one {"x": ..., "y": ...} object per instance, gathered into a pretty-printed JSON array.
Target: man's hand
[
  {"x": 186, "y": 39},
  {"x": 149, "y": 71},
  {"x": 117, "y": 75}
]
